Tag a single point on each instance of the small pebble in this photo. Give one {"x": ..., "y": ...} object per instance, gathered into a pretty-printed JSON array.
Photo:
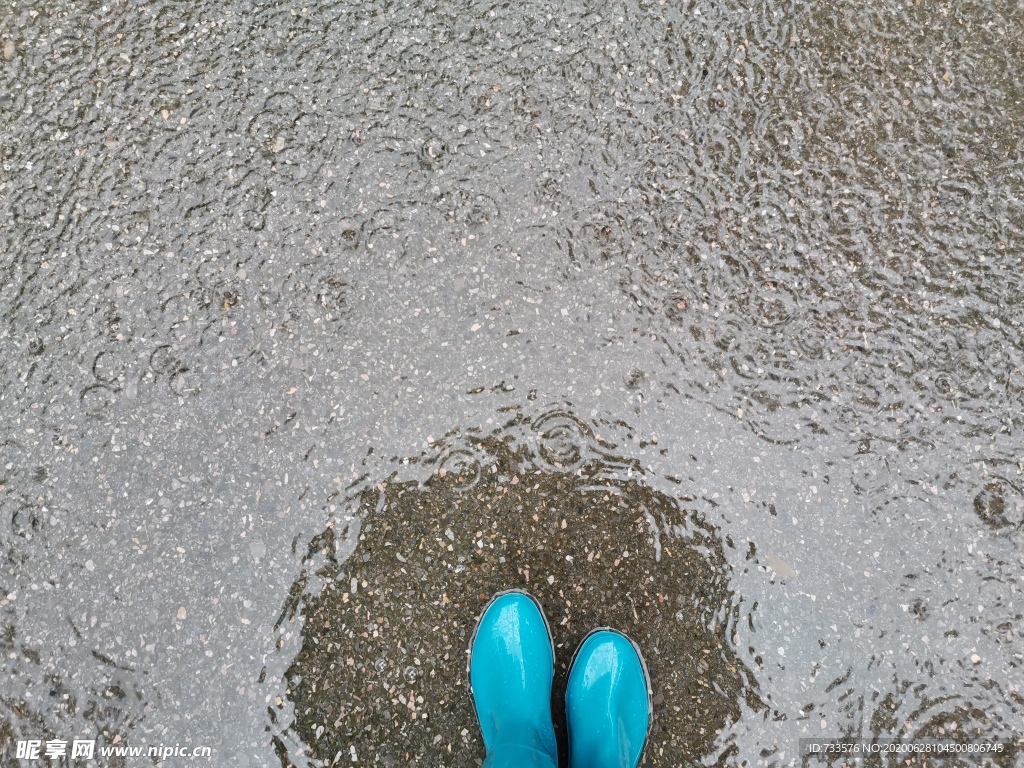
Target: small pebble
[{"x": 9, "y": 50}]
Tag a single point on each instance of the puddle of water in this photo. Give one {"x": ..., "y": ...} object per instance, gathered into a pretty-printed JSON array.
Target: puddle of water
[
  {"x": 383, "y": 660},
  {"x": 251, "y": 254}
]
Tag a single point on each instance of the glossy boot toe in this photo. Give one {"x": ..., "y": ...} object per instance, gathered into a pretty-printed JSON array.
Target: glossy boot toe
[
  {"x": 607, "y": 703},
  {"x": 511, "y": 669}
]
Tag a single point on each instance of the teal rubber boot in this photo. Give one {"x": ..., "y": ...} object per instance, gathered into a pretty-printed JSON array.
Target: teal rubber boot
[
  {"x": 607, "y": 702},
  {"x": 511, "y": 669}
]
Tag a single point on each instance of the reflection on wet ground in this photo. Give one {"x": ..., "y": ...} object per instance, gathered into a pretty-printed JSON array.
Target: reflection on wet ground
[
  {"x": 255, "y": 256},
  {"x": 382, "y": 668}
]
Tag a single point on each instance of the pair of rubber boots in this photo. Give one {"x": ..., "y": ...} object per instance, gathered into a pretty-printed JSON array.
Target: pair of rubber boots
[{"x": 511, "y": 669}]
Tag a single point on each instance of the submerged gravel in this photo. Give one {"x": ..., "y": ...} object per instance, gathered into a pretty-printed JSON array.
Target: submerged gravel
[{"x": 750, "y": 271}]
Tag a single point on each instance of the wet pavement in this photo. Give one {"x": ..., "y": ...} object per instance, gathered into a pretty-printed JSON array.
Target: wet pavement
[{"x": 320, "y": 322}]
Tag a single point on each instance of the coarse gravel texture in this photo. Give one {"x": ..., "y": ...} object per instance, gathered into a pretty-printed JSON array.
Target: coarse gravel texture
[{"x": 383, "y": 664}]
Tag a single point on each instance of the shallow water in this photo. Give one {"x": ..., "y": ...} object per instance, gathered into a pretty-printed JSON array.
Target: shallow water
[
  {"x": 750, "y": 272},
  {"x": 386, "y": 631}
]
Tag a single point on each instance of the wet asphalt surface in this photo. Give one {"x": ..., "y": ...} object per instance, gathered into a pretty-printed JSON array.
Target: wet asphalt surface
[{"x": 321, "y": 322}]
